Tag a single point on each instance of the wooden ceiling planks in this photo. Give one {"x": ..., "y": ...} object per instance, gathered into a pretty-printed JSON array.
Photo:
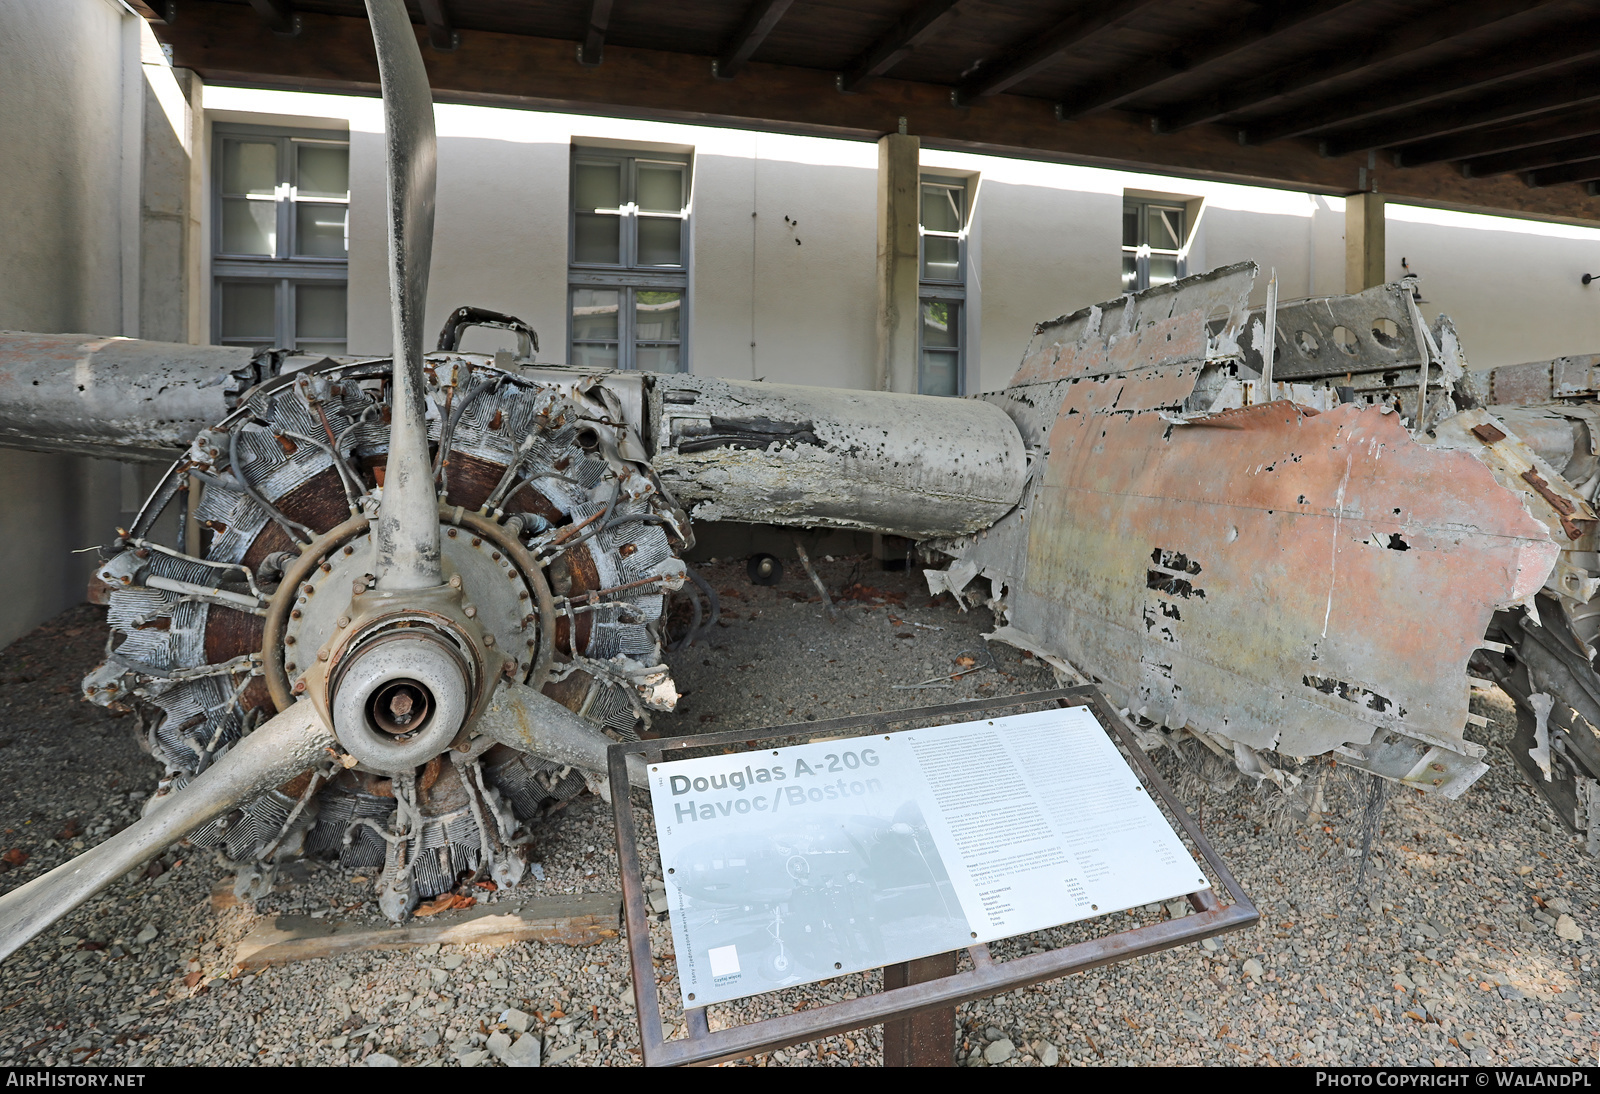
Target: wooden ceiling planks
[{"x": 1166, "y": 85}]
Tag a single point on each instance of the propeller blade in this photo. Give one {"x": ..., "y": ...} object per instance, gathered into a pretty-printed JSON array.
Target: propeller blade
[
  {"x": 276, "y": 752},
  {"x": 407, "y": 533},
  {"x": 531, "y": 721}
]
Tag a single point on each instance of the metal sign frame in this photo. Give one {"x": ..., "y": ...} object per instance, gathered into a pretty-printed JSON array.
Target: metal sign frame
[{"x": 987, "y": 975}]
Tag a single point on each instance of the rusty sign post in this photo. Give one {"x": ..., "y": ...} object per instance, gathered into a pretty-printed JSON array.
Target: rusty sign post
[{"x": 917, "y": 1005}]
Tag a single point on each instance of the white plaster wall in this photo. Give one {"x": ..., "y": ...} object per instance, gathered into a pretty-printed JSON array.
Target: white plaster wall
[
  {"x": 64, "y": 70},
  {"x": 500, "y": 238},
  {"x": 1513, "y": 287},
  {"x": 1050, "y": 238}
]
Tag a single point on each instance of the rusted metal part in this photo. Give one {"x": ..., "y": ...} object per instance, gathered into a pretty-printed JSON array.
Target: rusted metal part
[
  {"x": 1563, "y": 434},
  {"x": 1535, "y": 382},
  {"x": 987, "y": 976},
  {"x": 811, "y": 572},
  {"x": 119, "y": 398},
  {"x": 1546, "y": 494},
  {"x": 927, "y": 1039},
  {"x": 1371, "y": 347},
  {"x": 908, "y": 465},
  {"x": 1252, "y": 574}
]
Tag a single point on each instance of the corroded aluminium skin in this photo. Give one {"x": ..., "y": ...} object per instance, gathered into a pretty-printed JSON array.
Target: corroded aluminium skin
[
  {"x": 911, "y": 465},
  {"x": 117, "y": 398},
  {"x": 1251, "y": 575},
  {"x": 1549, "y": 668}
]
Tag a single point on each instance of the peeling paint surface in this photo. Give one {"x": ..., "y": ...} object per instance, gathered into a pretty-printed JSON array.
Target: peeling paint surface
[
  {"x": 911, "y": 465},
  {"x": 1258, "y": 574},
  {"x": 121, "y": 398}
]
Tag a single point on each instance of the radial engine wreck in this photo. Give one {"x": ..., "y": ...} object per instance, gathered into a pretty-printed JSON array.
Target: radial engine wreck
[{"x": 394, "y": 611}]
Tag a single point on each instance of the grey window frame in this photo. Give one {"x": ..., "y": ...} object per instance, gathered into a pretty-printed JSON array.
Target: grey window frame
[
  {"x": 1141, "y": 250},
  {"x": 949, "y": 290},
  {"x": 626, "y": 276},
  {"x": 284, "y": 269}
]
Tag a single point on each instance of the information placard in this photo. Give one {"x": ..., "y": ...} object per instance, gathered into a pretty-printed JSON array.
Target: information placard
[{"x": 796, "y": 864}]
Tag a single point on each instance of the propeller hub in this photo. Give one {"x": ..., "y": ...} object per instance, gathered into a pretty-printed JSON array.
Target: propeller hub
[{"x": 400, "y": 696}]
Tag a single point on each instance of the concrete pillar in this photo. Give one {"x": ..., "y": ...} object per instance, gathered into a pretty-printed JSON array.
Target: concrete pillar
[
  {"x": 899, "y": 219},
  {"x": 1363, "y": 242},
  {"x": 171, "y": 190}
]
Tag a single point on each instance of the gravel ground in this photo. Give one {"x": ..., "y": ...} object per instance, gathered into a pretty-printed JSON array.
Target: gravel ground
[{"x": 1445, "y": 955}]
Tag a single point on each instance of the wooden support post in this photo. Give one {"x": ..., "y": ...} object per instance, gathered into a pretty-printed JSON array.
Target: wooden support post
[
  {"x": 1363, "y": 241},
  {"x": 899, "y": 218},
  {"x": 927, "y": 1039}
]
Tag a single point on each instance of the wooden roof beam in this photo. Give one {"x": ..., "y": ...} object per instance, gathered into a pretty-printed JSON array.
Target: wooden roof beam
[
  {"x": 1582, "y": 171},
  {"x": 1329, "y": 64},
  {"x": 441, "y": 35},
  {"x": 1038, "y": 51},
  {"x": 227, "y": 43},
  {"x": 1540, "y": 155},
  {"x": 155, "y": 11},
  {"x": 592, "y": 48},
  {"x": 1574, "y": 89},
  {"x": 279, "y": 15},
  {"x": 1437, "y": 81},
  {"x": 1543, "y": 129},
  {"x": 1234, "y": 37},
  {"x": 758, "y": 22},
  {"x": 913, "y": 28}
]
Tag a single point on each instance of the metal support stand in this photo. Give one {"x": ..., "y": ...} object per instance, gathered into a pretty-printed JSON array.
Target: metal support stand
[{"x": 926, "y": 1038}]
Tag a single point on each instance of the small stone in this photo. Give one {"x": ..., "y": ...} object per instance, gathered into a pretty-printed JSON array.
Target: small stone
[
  {"x": 452, "y": 961},
  {"x": 338, "y": 1043},
  {"x": 498, "y": 1042},
  {"x": 998, "y": 1052},
  {"x": 516, "y": 1019},
  {"x": 473, "y": 1059},
  {"x": 562, "y": 1055},
  {"x": 1566, "y": 928},
  {"x": 1177, "y": 909},
  {"x": 993, "y": 1033},
  {"x": 1049, "y": 1056},
  {"x": 149, "y": 934},
  {"x": 658, "y": 903},
  {"x": 1210, "y": 945},
  {"x": 430, "y": 1038},
  {"x": 1525, "y": 925},
  {"x": 523, "y": 1053},
  {"x": 382, "y": 1059},
  {"x": 1401, "y": 980},
  {"x": 1253, "y": 969}
]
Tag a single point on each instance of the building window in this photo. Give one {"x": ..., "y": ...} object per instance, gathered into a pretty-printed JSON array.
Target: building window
[
  {"x": 629, "y": 270},
  {"x": 942, "y": 289},
  {"x": 280, "y": 257},
  {"x": 1154, "y": 244}
]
